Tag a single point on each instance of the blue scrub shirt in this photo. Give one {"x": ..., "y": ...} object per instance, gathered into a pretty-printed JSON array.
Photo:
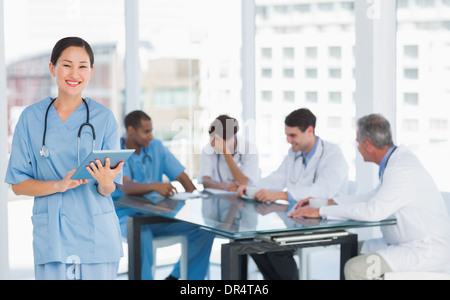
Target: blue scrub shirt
[
  {"x": 160, "y": 162},
  {"x": 79, "y": 222}
]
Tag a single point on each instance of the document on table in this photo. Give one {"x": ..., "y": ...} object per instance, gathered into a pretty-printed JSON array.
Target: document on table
[
  {"x": 218, "y": 192},
  {"x": 185, "y": 196}
]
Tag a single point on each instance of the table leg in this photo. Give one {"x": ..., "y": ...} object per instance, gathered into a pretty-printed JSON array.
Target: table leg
[
  {"x": 134, "y": 223},
  {"x": 234, "y": 265},
  {"x": 349, "y": 249},
  {"x": 134, "y": 248},
  {"x": 234, "y": 254}
]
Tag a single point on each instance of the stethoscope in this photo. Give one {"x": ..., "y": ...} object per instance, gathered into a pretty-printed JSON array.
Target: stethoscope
[
  {"x": 146, "y": 157},
  {"x": 295, "y": 180},
  {"x": 44, "y": 150}
]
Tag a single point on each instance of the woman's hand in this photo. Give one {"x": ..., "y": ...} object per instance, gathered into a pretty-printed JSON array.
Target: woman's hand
[
  {"x": 241, "y": 191},
  {"x": 68, "y": 184},
  {"x": 104, "y": 175},
  {"x": 232, "y": 187}
]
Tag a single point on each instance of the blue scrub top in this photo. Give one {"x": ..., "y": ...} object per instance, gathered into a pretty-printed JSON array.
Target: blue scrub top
[
  {"x": 79, "y": 222},
  {"x": 159, "y": 161}
]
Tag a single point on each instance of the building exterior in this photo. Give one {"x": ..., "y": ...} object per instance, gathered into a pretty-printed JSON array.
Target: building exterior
[{"x": 305, "y": 58}]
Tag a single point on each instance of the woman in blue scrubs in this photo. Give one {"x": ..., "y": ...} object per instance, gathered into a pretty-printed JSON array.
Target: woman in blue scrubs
[{"x": 76, "y": 233}]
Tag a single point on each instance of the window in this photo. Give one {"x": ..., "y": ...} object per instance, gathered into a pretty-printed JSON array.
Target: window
[
  {"x": 348, "y": 6},
  {"x": 288, "y": 73},
  {"x": 411, "y": 99},
  {"x": 177, "y": 97},
  {"x": 266, "y": 53},
  {"x": 402, "y": 4},
  {"x": 334, "y": 122},
  {"x": 289, "y": 96},
  {"x": 425, "y": 3},
  {"x": 410, "y": 125},
  {"x": 281, "y": 9},
  {"x": 326, "y": 7},
  {"x": 334, "y": 73},
  {"x": 421, "y": 88},
  {"x": 266, "y": 96},
  {"x": 411, "y": 73},
  {"x": 261, "y": 12},
  {"x": 311, "y": 73},
  {"x": 411, "y": 51},
  {"x": 335, "y": 97},
  {"x": 439, "y": 124},
  {"x": 266, "y": 73},
  {"x": 311, "y": 97},
  {"x": 310, "y": 40},
  {"x": 311, "y": 53},
  {"x": 302, "y": 8},
  {"x": 335, "y": 52},
  {"x": 191, "y": 69},
  {"x": 28, "y": 45},
  {"x": 289, "y": 53}
]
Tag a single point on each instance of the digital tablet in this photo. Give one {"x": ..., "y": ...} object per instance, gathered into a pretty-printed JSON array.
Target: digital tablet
[{"x": 116, "y": 156}]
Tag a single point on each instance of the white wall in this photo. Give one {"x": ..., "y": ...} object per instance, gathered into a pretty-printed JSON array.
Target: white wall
[
  {"x": 132, "y": 63},
  {"x": 375, "y": 71},
  {"x": 4, "y": 262}
]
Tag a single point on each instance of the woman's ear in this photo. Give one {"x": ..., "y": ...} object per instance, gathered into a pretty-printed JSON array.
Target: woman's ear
[{"x": 52, "y": 69}]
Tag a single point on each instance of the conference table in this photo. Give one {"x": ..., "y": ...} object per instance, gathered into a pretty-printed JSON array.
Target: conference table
[{"x": 250, "y": 226}]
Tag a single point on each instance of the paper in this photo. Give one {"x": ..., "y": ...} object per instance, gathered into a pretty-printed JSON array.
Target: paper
[
  {"x": 185, "y": 196},
  {"x": 219, "y": 192}
]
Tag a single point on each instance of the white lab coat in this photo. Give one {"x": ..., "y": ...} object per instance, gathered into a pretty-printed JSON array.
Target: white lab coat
[
  {"x": 421, "y": 239},
  {"x": 327, "y": 165}
]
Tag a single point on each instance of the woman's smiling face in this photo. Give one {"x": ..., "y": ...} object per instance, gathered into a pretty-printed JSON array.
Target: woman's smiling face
[{"x": 72, "y": 71}]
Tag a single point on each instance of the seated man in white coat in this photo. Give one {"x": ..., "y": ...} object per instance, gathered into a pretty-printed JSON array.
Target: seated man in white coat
[
  {"x": 312, "y": 167},
  {"x": 421, "y": 239}
]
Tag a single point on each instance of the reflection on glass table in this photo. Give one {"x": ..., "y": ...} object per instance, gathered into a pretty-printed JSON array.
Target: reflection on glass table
[{"x": 237, "y": 218}]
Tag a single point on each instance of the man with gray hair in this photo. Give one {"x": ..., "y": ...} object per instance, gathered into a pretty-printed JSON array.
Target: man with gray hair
[{"x": 421, "y": 239}]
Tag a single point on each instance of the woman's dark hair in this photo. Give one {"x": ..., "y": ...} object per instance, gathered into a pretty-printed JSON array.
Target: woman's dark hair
[
  {"x": 224, "y": 126},
  {"x": 71, "y": 42},
  {"x": 301, "y": 118},
  {"x": 134, "y": 119}
]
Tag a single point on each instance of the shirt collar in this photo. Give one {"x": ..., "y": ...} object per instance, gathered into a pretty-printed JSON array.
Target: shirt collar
[
  {"x": 122, "y": 143},
  {"x": 385, "y": 160},
  {"x": 313, "y": 150},
  {"x": 307, "y": 157}
]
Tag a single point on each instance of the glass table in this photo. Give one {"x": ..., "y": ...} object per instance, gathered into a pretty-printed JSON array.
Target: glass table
[{"x": 251, "y": 226}]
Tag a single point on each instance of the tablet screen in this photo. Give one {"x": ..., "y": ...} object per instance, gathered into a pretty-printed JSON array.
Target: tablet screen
[{"x": 116, "y": 156}]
